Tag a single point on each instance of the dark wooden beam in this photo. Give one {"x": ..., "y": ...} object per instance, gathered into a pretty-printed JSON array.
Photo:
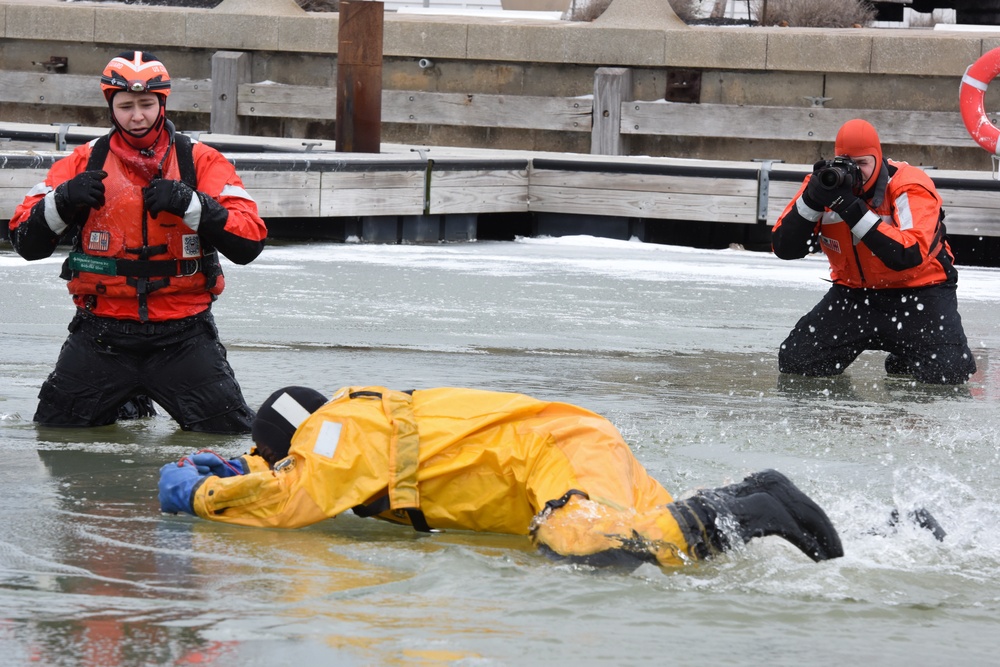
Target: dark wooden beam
[{"x": 359, "y": 77}]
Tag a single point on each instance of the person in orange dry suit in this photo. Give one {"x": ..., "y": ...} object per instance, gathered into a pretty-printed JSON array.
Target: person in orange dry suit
[
  {"x": 477, "y": 460},
  {"x": 147, "y": 212},
  {"x": 881, "y": 225}
]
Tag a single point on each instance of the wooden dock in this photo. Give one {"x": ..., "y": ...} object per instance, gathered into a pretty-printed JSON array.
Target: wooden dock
[{"x": 427, "y": 194}]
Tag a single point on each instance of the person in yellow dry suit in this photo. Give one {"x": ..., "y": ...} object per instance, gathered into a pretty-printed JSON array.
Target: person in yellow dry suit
[{"x": 486, "y": 461}]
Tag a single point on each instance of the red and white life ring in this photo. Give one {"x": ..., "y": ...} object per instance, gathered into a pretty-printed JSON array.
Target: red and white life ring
[{"x": 974, "y": 83}]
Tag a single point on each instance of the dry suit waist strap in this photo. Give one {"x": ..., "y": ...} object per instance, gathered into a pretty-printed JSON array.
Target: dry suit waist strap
[{"x": 141, "y": 268}]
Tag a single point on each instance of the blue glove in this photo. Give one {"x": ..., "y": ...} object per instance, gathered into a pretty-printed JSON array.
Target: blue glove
[
  {"x": 177, "y": 485},
  {"x": 210, "y": 463}
]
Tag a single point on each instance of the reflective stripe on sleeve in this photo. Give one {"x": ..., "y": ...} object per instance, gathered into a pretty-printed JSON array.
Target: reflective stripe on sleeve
[
  {"x": 810, "y": 214},
  {"x": 192, "y": 216},
  {"x": 865, "y": 224},
  {"x": 52, "y": 217}
]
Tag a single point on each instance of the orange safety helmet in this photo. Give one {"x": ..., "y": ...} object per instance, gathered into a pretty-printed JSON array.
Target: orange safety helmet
[{"x": 135, "y": 72}]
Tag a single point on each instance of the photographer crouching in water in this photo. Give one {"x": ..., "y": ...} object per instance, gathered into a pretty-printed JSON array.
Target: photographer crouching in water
[{"x": 880, "y": 223}]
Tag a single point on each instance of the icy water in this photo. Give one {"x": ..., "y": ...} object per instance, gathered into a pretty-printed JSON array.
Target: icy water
[{"x": 676, "y": 346}]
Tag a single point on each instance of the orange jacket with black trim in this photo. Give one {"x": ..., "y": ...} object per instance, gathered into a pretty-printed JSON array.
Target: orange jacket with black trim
[
  {"x": 175, "y": 272},
  {"x": 899, "y": 243}
]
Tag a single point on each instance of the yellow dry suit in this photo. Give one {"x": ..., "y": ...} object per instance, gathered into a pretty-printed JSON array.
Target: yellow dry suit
[{"x": 461, "y": 459}]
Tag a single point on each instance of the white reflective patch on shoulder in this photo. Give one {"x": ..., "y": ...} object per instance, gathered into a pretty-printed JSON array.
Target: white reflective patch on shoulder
[
  {"x": 903, "y": 212},
  {"x": 290, "y": 409},
  {"x": 235, "y": 191},
  {"x": 326, "y": 441}
]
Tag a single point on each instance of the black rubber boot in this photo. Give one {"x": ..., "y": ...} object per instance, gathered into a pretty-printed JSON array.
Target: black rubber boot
[
  {"x": 897, "y": 365},
  {"x": 765, "y": 503},
  {"x": 922, "y": 518}
]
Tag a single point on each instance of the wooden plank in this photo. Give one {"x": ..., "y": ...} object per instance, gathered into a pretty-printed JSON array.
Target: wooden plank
[
  {"x": 391, "y": 201},
  {"x": 972, "y": 222},
  {"x": 24, "y": 179},
  {"x": 780, "y": 193},
  {"x": 14, "y": 185},
  {"x": 480, "y": 200},
  {"x": 675, "y": 206},
  {"x": 461, "y": 178},
  {"x": 75, "y": 90},
  {"x": 988, "y": 200},
  {"x": 478, "y": 190},
  {"x": 280, "y": 100},
  {"x": 284, "y": 194},
  {"x": 645, "y": 183},
  {"x": 284, "y": 203},
  {"x": 411, "y": 107},
  {"x": 928, "y": 128},
  {"x": 346, "y": 193},
  {"x": 44, "y": 88},
  {"x": 375, "y": 180},
  {"x": 543, "y": 113},
  {"x": 278, "y": 180}
]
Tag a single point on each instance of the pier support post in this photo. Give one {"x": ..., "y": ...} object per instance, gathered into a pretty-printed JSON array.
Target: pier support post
[
  {"x": 229, "y": 70},
  {"x": 359, "y": 77},
  {"x": 612, "y": 86}
]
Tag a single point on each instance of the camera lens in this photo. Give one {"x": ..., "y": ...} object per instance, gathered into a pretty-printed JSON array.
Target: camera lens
[{"x": 831, "y": 178}]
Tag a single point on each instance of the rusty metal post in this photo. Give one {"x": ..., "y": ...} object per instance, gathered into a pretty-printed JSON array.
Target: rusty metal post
[{"x": 359, "y": 77}]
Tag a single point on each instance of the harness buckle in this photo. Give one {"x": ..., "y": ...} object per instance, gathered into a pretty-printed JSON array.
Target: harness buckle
[{"x": 183, "y": 267}]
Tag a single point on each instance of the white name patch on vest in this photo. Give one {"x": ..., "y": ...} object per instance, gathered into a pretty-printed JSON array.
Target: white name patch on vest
[{"x": 326, "y": 441}]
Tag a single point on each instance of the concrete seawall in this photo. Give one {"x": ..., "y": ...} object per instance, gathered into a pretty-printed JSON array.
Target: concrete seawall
[{"x": 889, "y": 69}]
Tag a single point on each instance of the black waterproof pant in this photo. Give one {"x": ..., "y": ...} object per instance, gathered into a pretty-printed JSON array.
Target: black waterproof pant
[
  {"x": 179, "y": 364},
  {"x": 920, "y": 328}
]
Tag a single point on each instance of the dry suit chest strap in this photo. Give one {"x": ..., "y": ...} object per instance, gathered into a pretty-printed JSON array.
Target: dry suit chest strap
[{"x": 140, "y": 268}]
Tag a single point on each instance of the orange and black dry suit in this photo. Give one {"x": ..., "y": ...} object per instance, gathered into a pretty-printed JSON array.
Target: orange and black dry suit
[
  {"x": 900, "y": 243},
  {"x": 462, "y": 459},
  {"x": 894, "y": 283},
  {"x": 143, "y": 285},
  {"x": 127, "y": 264}
]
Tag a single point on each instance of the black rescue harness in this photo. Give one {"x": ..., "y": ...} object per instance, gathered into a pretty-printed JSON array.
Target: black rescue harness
[{"x": 144, "y": 274}]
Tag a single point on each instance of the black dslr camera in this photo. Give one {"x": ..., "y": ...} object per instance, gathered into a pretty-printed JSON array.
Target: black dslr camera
[{"x": 833, "y": 173}]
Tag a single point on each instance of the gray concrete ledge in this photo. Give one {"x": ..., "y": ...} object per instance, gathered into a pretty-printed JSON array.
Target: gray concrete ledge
[{"x": 615, "y": 40}]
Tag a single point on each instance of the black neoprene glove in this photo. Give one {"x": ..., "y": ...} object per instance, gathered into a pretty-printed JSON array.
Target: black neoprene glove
[
  {"x": 83, "y": 191},
  {"x": 818, "y": 196},
  {"x": 815, "y": 196},
  {"x": 852, "y": 209},
  {"x": 167, "y": 195}
]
